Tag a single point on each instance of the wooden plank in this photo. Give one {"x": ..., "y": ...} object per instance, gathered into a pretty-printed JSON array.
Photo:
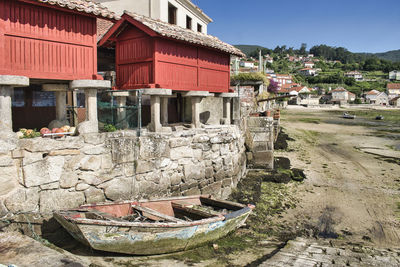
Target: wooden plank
[
  {"x": 155, "y": 215},
  {"x": 192, "y": 213},
  {"x": 225, "y": 204}
]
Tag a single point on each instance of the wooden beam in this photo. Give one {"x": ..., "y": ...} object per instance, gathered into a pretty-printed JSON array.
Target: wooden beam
[
  {"x": 155, "y": 215},
  {"x": 192, "y": 213},
  {"x": 225, "y": 204}
]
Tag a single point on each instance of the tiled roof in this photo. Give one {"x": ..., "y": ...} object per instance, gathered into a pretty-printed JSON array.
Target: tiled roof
[
  {"x": 339, "y": 90},
  {"x": 307, "y": 69},
  {"x": 393, "y": 86},
  {"x": 86, "y": 6},
  {"x": 179, "y": 33},
  {"x": 373, "y": 92},
  {"x": 103, "y": 26}
]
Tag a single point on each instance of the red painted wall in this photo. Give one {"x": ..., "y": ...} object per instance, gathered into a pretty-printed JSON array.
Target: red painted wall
[
  {"x": 46, "y": 43},
  {"x": 146, "y": 62}
]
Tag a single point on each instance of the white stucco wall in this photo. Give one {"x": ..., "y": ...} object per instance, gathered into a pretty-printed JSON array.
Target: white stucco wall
[{"x": 158, "y": 9}]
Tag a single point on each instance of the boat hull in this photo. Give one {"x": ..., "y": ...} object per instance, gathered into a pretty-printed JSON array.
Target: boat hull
[{"x": 147, "y": 240}]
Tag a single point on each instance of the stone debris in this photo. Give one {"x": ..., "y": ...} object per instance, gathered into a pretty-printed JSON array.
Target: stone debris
[{"x": 304, "y": 252}]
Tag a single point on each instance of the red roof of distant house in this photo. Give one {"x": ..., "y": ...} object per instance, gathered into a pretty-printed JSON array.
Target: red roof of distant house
[
  {"x": 353, "y": 73},
  {"x": 350, "y": 93},
  {"x": 393, "y": 86},
  {"x": 307, "y": 69},
  {"x": 309, "y": 62},
  {"x": 373, "y": 92},
  {"x": 339, "y": 90}
]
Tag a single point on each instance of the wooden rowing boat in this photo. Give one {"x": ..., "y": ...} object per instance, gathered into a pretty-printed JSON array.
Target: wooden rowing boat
[{"x": 153, "y": 226}]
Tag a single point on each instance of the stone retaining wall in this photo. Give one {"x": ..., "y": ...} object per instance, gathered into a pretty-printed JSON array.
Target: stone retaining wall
[{"x": 43, "y": 174}]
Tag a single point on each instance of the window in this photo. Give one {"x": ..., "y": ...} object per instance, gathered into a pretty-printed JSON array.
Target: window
[
  {"x": 171, "y": 14},
  {"x": 43, "y": 99},
  {"x": 18, "y": 97},
  {"x": 188, "y": 22},
  {"x": 199, "y": 28}
]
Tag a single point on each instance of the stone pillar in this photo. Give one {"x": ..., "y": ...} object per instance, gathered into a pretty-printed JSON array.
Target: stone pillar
[
  {"x": 155, "y": 124},
  {"x": 121, "y": 110},
  {"x": 90, "y": 87},
  {"x": 196, "y": 111},
  {"x": 61, "y": 100},
  {"x": 164, "y": 110},
  {"x": 227, "y": 106},
  {"x": 7, "y": 84},
  {"x": 196, "y": 97},
  {"x": 155, "y": 94}
]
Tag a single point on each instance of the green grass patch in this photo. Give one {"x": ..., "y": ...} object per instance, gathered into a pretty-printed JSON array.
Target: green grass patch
[{"x": 310, "y": 120}]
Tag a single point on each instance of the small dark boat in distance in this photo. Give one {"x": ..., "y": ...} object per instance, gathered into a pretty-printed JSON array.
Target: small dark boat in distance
[
  {"x": 348, "y": 116},
  {"x": 154, "y": 226},
  {"x": 379, "y": 117}
]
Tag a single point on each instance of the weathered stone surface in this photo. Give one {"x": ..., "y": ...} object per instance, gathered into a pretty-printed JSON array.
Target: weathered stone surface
[
  {"x": 90, "y": 163},
  {"x": 201, "y": 139},
  {"x": 209, "y": 172},
  {"x": 3, "y": 209},
  {"x": 176, "y": 178},
  {"x": 6, "y": 161},
  {"x": 189, "y": 185},
  {"x": 8, "y": 181},
  {"x": 197, "y": 154},
  {"x": 23, "y": 199},
  {"x": 81, "y": 186},
  {"x": 177, "y": 142},
  {"x": 60, "y": 199},
  {"x": 148, "y": 189},
  {"x": 192, "y": 192},
  {"x": 181, "y": 152},
  {"x": 47, "y": 144},
  {"x": 226, "y": 182},
  {"x": 212, "y": 189},
  {"x": 50, "y": 186},
  {"x": 119, "y": 189},
  {"x": 221, "y": 174},
  {"x": 8, "y": 142},
  {"x": 152, "y": 147},
  {"x": 68, "y": 179},
  {"x": 164, "y": 162},
  {"x": 94, "y": 195},
  {"x": 32, "y": 157},
  {"x": 145, "y": 166},
  {"x": 194, "y": 171},
  {"x": 94, "y": 150},
  {"x": 43, "y": 172},
  {"x": 64, "y": 152},
  {"x": 87, "y": 127},
  {"x": 94, "y": 138},
  {"x": 17, "y": 153},
  {"x": 93, "y": 178},
  {"x": 263, "y": 159}
]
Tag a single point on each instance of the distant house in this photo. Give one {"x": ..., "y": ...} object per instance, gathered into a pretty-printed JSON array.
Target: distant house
[
  {"x": 393, "y": 90},
  {"x": 395, "y": 101},
  {"x": 308, "y": 72},
  {"x": 295, "y": 90},
  {"x": 282, "y": 79},
  {"x": 354, "y": 74},
  {"x": 246, "y": 64},
  {"x": 352, "y": 97},
  {"x": 269, "y": 59},
  {"x": 340, "y": 94},
  {"x": 376, "y": 97},
  {"x": 309, "y": 64},
  {"x": 394, "y": 75}
]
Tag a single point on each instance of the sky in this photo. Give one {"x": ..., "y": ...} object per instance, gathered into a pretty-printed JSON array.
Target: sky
[{"x": 358, "y": 25}]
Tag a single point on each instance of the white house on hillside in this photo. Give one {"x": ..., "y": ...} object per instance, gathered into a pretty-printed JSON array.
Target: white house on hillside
[
  {"x": 394, "y": 75},
  {"x": 376, "y": 97},
  {"x": 308, "y": 72},
  {"x": 340, "y": 94},
  {"x": 309, "y": 64},
  {"x": 179, "y": 12},
  {"x": 354, "y": 74},
  {"x": 393, "y": 90}
]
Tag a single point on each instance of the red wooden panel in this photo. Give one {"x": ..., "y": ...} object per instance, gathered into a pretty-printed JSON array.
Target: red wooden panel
[
  {"x": 176, "y": 76},
  {"x": 46, "y": 43},
  {"x": 41, "y": 59},
  {"x": 213, "y": 60},
  {"x": 175, "y": 52},
  {"x": 131, "y": 76},
  {"x": 214, "y": 80},
  {"x": 134, "y": 49},
  {"x": 131, "y": 32}
]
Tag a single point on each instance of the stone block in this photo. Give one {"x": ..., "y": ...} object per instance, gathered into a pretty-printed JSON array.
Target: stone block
[
  {"x": 212, "y": 189},
  {"x": 32, "y": 157},
  {"x": 201, "y": 139},
  {"x": 93, "y": 178},
  {"x": 220, "y": 175},
  {"x": 106, "y": 161},
  {"x": 94, "y": 138},
  {"x": 81, "y": 186},
  {"x": 50, "y": 186},
  {"x": 228, "y": 160},
  {"x": 164, "y": 163},
  {"x": 188, "y": 185},
  {"x": 64, "y": 152},
  {"x": 46, "y": 145},
  {"x": 59, "y": 199},
  {"x": 68, "y": 179},
  {"x": 94, "y": 195},
  {"x": 14, "y": 81},
  {"x": 73, "y": 163},
  {"x": 94, "y": 150},
  {"x": 209, "y": 172},
  {"x": 17, "y": 153},
  {"x": 22, "y": 200},
  {"x": 176, "y": 178},
  {"x": 198, "y": 154},
  {"x": 178, "y": 142},
  {"x": 6, "y": 145},
  {"x": 263, "y": 159},
  {"x": 148, "y": 189},
  {"x": 194, "y": 172},
  {"x": 225, "y": 192},
  {"x": 216, "y": 140},
  {"x": 45, "y": 171},
  {"x": 87, "y": 84},
  {"x": 227, "y": 182},
  {"x": 8, "y": 179},
  {"x": 192, "y": 192},
  {"x": 224, "y": 150},
  {"x": 181, "y": 152},
  {"x": 120, "y": 189},
  {"x": 6, "y": 161},
  {"x": 90, "y": 163},
  {"x": 143, "y": 166}
]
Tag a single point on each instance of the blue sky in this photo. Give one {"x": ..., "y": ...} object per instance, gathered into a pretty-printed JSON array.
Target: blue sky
[{"x": 358, "y": 25}]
